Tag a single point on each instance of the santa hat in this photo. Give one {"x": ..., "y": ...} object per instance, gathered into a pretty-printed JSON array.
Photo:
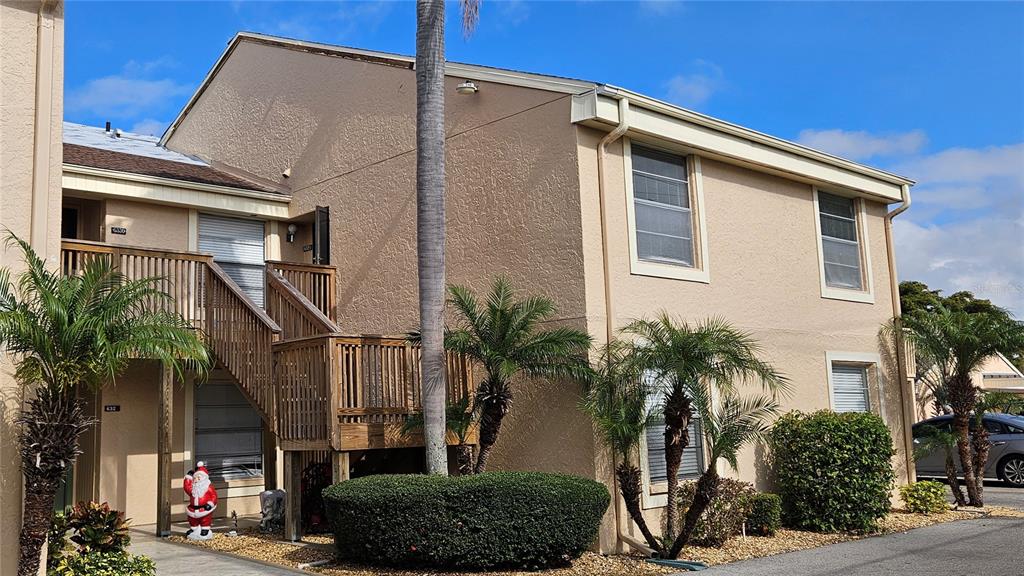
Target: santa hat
[{"x": 201, "y": 468}]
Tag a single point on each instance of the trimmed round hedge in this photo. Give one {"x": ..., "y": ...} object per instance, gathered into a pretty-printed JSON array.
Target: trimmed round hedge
[
  {"x": 527, "y": 520},
  {"x": 833, "y": 471}
]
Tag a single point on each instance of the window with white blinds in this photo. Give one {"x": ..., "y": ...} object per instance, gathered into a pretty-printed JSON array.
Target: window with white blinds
[
  {"x": 850, "y": 388},
  {"x": 228, "y": 432},
  {"x": 693, "y": 455},
  {"x": 237, "y": 247},
  {"x": 661, "y": 204},
  {"x": 840, "y": 244}
]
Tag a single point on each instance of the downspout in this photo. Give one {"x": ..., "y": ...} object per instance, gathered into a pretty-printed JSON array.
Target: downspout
[
  {"x": 602, "y": 149},
  {"x": 907, "y": 393},
  {"x": 39, "y": 225}
]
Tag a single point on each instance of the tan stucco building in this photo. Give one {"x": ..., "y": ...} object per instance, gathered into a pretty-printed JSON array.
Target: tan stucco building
[{"x": 614, "y": 204}]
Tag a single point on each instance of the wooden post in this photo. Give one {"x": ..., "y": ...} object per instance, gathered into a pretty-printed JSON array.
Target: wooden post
[
  {"x": 293, "y": 496},
  {"x": 165, "y": 424},
  {"x": 339, "y": 466},
  {"x": 270, "y": 479}
]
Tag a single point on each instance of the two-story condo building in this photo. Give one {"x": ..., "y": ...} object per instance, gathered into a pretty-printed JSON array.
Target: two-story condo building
[{"x": 280, "y": 204}]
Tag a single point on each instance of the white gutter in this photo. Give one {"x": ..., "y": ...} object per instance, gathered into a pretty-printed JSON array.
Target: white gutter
[
  {"x": 908, "y": 396},
  {"x": 39, "y": 227}
]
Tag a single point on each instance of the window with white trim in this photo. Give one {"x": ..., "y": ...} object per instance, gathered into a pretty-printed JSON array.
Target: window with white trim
[
  {"x": 840, "y": 242},
  {"x": 662, "y": 207},
  {"x": 693, "y": 455},
  {"x": 850, "y": 387}
]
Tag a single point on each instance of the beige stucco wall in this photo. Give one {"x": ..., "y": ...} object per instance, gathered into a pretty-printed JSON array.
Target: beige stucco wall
[
  {"x": 347, "y": 130},
  {"x": 19, "y": 40},
  {"x": 764, "y": 279},
  {"x": 148, "y": 225}
]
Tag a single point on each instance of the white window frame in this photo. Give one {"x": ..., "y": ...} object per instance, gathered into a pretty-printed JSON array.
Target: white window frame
[
  {"x": 872, "y": 363},
  {"x": 867, "y": 294},
  {"x": 699, "y": 271},
  {"x": 655, "y": 495}
]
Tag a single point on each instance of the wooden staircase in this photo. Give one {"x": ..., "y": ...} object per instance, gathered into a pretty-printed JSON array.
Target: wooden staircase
[{"x": 315, "y": 387}]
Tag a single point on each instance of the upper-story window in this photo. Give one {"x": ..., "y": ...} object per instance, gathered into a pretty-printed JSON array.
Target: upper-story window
[
  {"x": 661, "y": 199},
  {"x": 665, "y": 214},
  {"x": 845, "y": 268}
]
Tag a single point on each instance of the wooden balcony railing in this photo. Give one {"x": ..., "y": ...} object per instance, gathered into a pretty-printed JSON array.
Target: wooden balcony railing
[
  {"x": 238, "y": 331},
  {"x": 297, "y": 316},
  {"x": 370, "y": 387},
  {"x": 315, "y": 282}
]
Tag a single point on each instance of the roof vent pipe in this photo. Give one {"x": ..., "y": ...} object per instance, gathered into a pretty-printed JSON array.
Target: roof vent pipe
[{"x": 107, "y": 128}]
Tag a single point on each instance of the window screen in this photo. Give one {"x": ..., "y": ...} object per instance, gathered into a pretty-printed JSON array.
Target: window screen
[
  {"x": 850, "y": 388},
  {"x": 228, "y": 432},
  {"x": 839, "y": 242},
  {"x": 661, "y": 203},
  {"x": 693, "y": 455}
]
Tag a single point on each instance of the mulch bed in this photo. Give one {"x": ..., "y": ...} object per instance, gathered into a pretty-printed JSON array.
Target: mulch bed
[{"x": 269, "y": 548}]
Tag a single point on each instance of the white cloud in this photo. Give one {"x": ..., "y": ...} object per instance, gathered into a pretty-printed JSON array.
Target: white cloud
[
  {"x": 863, "y": 145},
  {"x": 148, "y": 127},
  {"x": 969, "y": 165},
  {"x": 694, "y": 89},
  {"x": 513, "y": 12},
  {"x": 129, "y": 94}
]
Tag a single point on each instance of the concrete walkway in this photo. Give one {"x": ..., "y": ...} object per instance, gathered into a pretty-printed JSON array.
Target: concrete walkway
[
  {"x": 184, "y": 560},
  {"x": 986, "y": 546}
]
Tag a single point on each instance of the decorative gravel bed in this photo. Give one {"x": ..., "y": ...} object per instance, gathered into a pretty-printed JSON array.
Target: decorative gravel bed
[{"x": 269, "y": 548}]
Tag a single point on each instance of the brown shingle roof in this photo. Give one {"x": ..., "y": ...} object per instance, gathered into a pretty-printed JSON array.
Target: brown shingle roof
[{"x": 120, "y": 161}]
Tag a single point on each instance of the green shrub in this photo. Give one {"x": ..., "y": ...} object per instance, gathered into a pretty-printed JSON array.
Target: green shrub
[
  {"x": 56, "y": 539},
  {"x": 724, "y": 517},
  {"x": 765, "y": 515},
  {"x": 525, "y": 520},
  {"x": 97, "y": 527},
  {"x": 95, "y": 563},
  {"x": 834, "y": 471},
  {"x": 925, "y": 497}
]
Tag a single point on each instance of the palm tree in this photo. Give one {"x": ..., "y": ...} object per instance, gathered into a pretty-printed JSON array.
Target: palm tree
[
  {"x": 727, "y": 428},
  {"x": 957, "y": 342},
  {"x": 459, "y": 418},
  {"x": 430, "y": 215},
  {"x": 933, "y": 438},
  {"x": 616, "y": 400},
  {"x": 988, "y": 402},
  {"x": 504, "y": 337},
  {"x": 71, "y": 334},
  {"x": 684, "y": 359}
]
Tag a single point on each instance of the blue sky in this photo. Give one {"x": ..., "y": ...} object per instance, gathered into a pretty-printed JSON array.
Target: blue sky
[{"x": 934, "y": 91}]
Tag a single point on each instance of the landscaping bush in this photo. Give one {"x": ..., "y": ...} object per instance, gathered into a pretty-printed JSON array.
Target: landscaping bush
[
  {"x": 56, "y": 539},
  {"x": 764, "y": 517},
  {"x": 834, "y": 471},
  {"x": 97, "y": 527},
  {"x": 724, "y": 517},
  {"x": 104, "y": 564},
  {"x": 525, "y": 520},
  {"x": 925, "y": 497}
]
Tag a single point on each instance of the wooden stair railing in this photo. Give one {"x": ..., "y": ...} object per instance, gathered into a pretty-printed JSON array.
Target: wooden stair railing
[
  {"x": 316, "y": 282},
  {"x": 292, "y": 310},
  {"x": 237, "y": 330}
]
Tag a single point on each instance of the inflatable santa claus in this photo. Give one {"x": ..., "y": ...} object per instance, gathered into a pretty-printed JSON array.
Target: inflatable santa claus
[{"x": 202, "y": 501}]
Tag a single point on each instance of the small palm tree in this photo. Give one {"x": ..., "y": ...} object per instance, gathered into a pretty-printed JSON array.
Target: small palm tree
[
  {"x": 685, "y": 359},
  {"x": 616, "y": 399},
  {"x": 988, "y": 402},
  {"x": 503, "y": 335},
  {"x": 734, "y": 423},
  {"x": 67, "y": 334},
  {"x": 957, "y": 342},
  {"x": 932, "y": 439},
  {"x": 459, "y": 418}
]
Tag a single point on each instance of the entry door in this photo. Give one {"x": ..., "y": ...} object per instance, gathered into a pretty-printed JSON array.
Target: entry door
[{"x": 237, "y": 246}]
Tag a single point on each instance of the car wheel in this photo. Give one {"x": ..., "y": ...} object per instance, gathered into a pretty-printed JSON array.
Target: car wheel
[{"x": 1011, "y": 471}]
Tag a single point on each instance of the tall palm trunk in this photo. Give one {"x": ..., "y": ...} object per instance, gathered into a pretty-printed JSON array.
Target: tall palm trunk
[
  {"x": 50, "y": 429},
  {"x": 706, "y": 491},
  {"x": 631, "y": 488},
  {"x": 430, "y": 224},
  {"x": 678, "y": 414},
  {"x": 963, "y": 399}
]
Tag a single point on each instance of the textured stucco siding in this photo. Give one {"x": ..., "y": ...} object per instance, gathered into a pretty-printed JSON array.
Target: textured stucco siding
[
  {"x": 764, "y": 279},
  {"x": 18, "y": 68},
  {"x": 147, "y": 225},
  {"x": 347, "y": 131}
]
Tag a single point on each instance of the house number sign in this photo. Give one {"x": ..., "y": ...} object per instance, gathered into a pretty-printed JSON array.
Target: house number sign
[
  {"x": 112, "y": 408},
  {"x": 119, "y": 230}
]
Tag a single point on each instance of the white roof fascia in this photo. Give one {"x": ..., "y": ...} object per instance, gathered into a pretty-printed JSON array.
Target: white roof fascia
[{"x": 599, "y": 109}]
